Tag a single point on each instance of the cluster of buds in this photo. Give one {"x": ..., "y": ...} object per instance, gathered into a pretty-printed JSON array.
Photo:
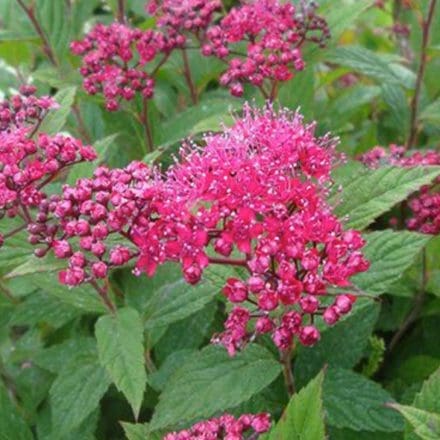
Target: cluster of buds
[
  {"x": 177, "y": 18},
  {"x": 270, "y": 34},
  {"x": 113, "y": 61},
  {"x": 24, "y": 109},
  {"x": 226, "y": 427},
  {"x": 82, "y": 223},
  {"x": 273, "y": 33},
  {"x": 27, "y": 162},
  {"x": 425, "y": 205}
]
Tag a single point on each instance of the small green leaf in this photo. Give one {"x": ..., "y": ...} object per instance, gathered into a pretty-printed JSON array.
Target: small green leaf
[
  {"x": 303, "y": 419},
  {"x": 390, "y": 254},
  {"x": 355, "y": 402},
  {"x": 426, "y": 424},
  {"x": 139, "y": 431},
  {"x": 121, "y": 352},
  {"x": 211, "y": 381},
  {"x": 56, "y": 119},
  {"x": 76, "y": 392}
]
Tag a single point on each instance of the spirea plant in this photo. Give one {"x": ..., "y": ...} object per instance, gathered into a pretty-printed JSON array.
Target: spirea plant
[{"x": 200, "y": 236}]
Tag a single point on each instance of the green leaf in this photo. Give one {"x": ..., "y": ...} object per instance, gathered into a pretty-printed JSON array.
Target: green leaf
[
  {"x": 206, "y": 116},
  {"x": 121, "y": 352},
  {"x": 357, "y": 403},
  {"x": 212, "y": 381},
  {"x": 83, "y": 297},
  {"x": 428, "y": 399},
  {"x": 177, "y": 300},
  {"x": 358, "y": 324},
  {"x": 55, "y": 19},
  {"x": 366, "y": 194},
  {"x": 390, "y": 254},
  {"x": 12, "y": 425},
  {"x": 76, "y": 392},
  {"x": 54, "y": 358},
  {"x": 140, "y": 431},
  {"x": 39, "y": 307},
  {"x": 426, "y": 424},
  {"x": 56, "y": 119},
  {"x": 431, "y": 113},
  {"x": 339, "y": 20},
  {"x": 303, "y": 419},
  {"x": 395, "y": 98},
  {"x": 364, "y": 61}
]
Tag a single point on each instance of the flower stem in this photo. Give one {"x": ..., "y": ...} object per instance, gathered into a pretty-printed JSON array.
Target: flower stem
[
  {"x": 147, "y": 127},
  {"x": 216, "y": 260},
  {"x": 285, "y": 359},
  {"x": 29, "y": 11},
  {"x": 188, "y": 77},
  {"x": 414, "y": 106},
  {"x": 121, "y": 12},
  {"x": 103, "y": 293}
]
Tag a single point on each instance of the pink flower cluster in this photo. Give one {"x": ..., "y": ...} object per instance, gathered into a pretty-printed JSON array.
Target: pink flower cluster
[
  {"x": 226, "y": 427},
  {"x": 425, "y": 205},
  {"x": 259, "y": 40},
  {"x": 113, "y": 61},
  {"x": 178, "y": 17},
  {"x": 253, "y": 197},
  {"x": 272, "y": 32},
  {"x": 28, "y": 162},
  {"x": 24, "y": 109}
]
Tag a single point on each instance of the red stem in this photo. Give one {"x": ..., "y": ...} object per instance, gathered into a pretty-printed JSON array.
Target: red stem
[
  {"x": 414, "y": 107},
  {"x": 216, "y": 260},
  {"x": 188, "y": 77},
  {"x": 147, "y": 126},
  {"x": 103, "y": 293}
]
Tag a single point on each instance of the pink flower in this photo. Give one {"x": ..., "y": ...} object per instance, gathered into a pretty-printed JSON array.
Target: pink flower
[{"x": 225, "y": 427}]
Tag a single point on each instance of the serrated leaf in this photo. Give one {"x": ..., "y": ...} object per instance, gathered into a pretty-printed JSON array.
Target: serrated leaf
[
  {"x": 83, "y": 297},
  {"x": 358, "y": 324},
  {"x": 56, "y": 119},
  {"x": 177, "y": 300},
  {"x": 390, "y": 254},
  {"x": 54, "y": 18},
  {"x": 303, "y": 419},
  {"x": 54, "y": 358},
  {"x": 425, "y": 424},
  {"x": 428, "y": 399},
  {"x": 12, "y": 425},
  {"x": 120, "y": 340},
  {"x": 76, "y": 392},
  {"x": 364, "y": 61},
  {"x": 357, "y": 403},
  {"x": 367, "y": 194},
  {"x": 39, "y": 307},
  {"x": 431, "y": 113},
  {"x": 212, "y": 381}
]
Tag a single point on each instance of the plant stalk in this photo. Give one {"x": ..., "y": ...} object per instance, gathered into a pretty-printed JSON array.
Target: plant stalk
[{"x": 415, "y": 101}]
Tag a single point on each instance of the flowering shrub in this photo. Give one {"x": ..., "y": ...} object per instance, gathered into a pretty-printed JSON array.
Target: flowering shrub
[{"x": 185, "y": 253}]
